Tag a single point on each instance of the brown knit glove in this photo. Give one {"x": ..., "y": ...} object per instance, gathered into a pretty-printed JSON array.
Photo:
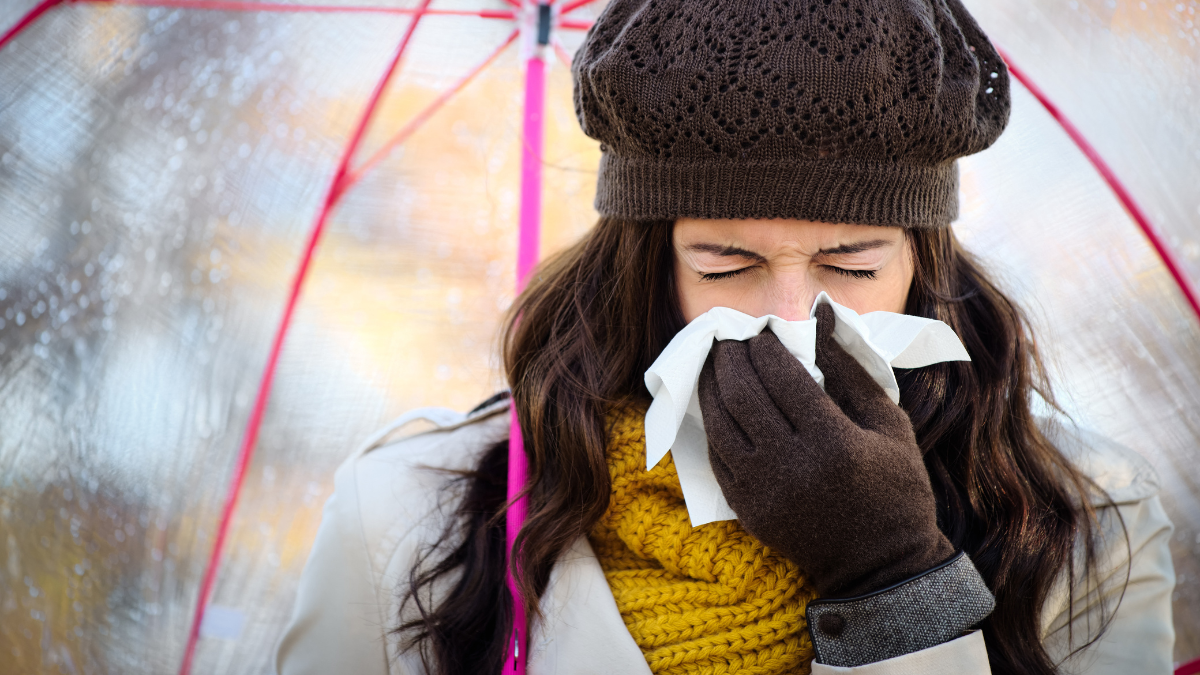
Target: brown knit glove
[{"x": 831, "y": 479}]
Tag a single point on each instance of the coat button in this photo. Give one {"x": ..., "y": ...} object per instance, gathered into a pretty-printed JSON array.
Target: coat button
[{"x": 831, "y": 624}]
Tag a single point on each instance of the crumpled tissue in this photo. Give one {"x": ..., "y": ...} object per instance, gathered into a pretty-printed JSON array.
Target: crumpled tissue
[{"x": 879, "y": 341}]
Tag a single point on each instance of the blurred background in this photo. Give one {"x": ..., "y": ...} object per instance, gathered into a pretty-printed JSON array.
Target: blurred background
[{"x": 161, "y": 168}]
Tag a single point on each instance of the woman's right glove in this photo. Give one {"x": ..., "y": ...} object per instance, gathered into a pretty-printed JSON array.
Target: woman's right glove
[{"x": 831, "y": 479}]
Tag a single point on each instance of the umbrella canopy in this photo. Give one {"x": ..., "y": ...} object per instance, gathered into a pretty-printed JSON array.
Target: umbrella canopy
[{"x": 164, "y": 171}]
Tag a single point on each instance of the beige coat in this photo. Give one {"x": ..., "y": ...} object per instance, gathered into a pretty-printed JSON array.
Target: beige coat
[{"x": 379, "y": 515}]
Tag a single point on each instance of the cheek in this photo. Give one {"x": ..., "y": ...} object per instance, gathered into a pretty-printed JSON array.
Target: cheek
[
  {"x": 690, "y": 308},
  {"x": 897, "y": 286},
  {"x": 898, "y": 294},
  {"x": 694, "y": 298}
]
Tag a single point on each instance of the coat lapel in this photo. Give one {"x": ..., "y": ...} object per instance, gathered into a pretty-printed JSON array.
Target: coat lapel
[{"x": 583, "y": 633}]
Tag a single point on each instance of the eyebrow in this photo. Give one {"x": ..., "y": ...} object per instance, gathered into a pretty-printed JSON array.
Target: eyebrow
[
  {"x": 725, "y": 251},
  {"x": 730, "y": 251},
  {"x": 856, "y": 247}
]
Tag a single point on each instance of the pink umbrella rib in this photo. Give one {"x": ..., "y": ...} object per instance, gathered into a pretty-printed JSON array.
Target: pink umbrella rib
[
  {"x": 1114, "y": 183},
  {"x": 240, "y": 6},
  {"x": 574, "y": 25},
  {"x": 421, "y": 117},
  {"x": 575, "y": 4},
  {"x": 562, "y": 53},
  {"x": 246, "y": 452},
  {"x": 1190, "y": 668},
  {"x": 25, "y": 21}
]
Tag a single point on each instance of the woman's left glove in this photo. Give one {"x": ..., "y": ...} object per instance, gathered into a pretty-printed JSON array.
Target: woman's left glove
[{"x": 834, "y": 479}]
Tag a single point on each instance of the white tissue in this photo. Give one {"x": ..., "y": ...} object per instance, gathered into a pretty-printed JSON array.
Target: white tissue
[{"x": 877, "y": 340}]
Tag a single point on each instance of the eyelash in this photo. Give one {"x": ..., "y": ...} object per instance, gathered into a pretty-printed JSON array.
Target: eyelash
[
  {"x": 717, "y": 276},
  {"x": 857, "y": 274}
]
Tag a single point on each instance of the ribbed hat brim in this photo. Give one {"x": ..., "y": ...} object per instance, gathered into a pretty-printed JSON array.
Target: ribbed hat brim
[{"x": 825, "y": 190}]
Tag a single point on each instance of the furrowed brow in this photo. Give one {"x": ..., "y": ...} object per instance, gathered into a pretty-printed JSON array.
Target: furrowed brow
[
  {"x": 725, "y": 251},
  {"x": 856, "y": 247}
]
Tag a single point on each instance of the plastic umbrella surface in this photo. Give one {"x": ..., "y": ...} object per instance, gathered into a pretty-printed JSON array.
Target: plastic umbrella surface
[{"x": 169, "y": 169}]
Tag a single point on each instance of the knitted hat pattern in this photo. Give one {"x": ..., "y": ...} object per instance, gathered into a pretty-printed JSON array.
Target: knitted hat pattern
[
  {"x": 708, "y": 599},
  {"x": 849, "y": 111}
]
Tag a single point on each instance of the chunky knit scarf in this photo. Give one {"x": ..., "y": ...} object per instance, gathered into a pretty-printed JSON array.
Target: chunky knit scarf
[{"x": 709, "y": 599}]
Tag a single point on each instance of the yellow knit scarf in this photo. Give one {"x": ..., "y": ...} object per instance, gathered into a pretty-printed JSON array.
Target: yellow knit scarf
[{"x": 709, "y": 599}]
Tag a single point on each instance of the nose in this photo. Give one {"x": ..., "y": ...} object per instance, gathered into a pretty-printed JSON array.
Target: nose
[
  {"x": 793, "y": 313},
  {"x": 791, "y": 297}
]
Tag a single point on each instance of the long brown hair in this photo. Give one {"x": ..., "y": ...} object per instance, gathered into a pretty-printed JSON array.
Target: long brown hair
[{"x": 594, "y": 318}]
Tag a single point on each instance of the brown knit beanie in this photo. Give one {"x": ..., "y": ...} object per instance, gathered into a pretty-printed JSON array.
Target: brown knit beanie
[{"x": 848, "y": 111}]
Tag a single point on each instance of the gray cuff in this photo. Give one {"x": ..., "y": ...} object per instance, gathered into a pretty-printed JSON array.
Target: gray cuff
[{"x": 919, "y": 613}]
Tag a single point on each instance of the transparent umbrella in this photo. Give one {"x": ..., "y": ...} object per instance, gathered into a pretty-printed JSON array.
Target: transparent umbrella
[{"x": 192, "y": 189}]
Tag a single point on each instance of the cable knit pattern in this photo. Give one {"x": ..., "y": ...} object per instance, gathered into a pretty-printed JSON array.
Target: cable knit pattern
[
  {"x": 829, "y": 110},
  {"x": 710, "y": 599}
]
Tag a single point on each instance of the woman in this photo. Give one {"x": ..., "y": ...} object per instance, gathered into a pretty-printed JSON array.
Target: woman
[{"x": 754, "y": 155}]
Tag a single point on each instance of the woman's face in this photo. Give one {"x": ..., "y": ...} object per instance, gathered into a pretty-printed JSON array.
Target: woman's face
[{"x": 778, "y": 266}]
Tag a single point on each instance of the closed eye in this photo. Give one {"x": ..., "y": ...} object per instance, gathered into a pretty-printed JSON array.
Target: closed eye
[
  {"x": 717, "y": 276},
  {"x": 857, "y": 274}
]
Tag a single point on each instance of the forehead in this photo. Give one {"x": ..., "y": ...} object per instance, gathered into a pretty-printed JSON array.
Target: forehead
[{"x": 763, "y": 235}]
